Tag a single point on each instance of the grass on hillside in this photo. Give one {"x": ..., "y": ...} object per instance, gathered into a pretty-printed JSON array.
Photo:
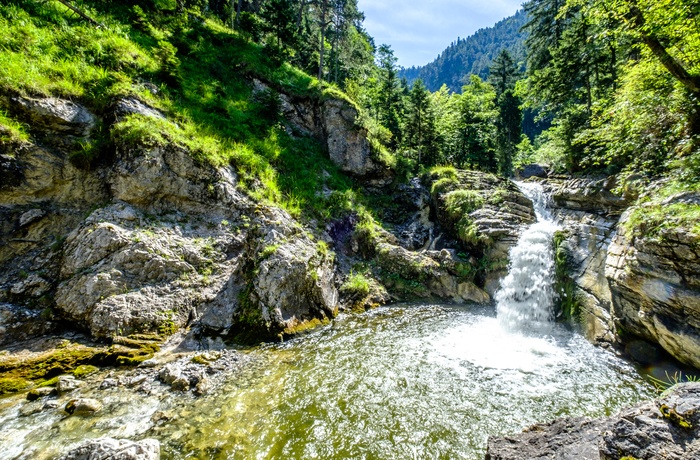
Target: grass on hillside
[{"x": 202, "y": 71}]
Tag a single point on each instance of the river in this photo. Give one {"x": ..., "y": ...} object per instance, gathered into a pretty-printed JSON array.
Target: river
[{"x": 406, "y": 381}]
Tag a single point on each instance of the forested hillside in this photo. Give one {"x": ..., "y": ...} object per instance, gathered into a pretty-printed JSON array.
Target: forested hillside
[{"x": 472, "y": 55}]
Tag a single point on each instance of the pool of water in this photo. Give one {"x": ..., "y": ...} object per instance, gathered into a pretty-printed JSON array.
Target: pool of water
[{"x": 399, "y": 382}]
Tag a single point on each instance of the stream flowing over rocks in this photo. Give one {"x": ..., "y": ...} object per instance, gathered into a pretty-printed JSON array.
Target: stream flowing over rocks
[{"x": 160, "y": 259}]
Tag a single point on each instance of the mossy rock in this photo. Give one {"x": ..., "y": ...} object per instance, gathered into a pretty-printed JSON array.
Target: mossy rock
[
  {"x": 84, "y": 370},
  {"x": 13, "y": 385},
  {"x": 18, "y": 373}
]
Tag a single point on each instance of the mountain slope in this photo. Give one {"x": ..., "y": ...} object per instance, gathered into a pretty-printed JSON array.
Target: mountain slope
[{"x": 472, "y": 55}]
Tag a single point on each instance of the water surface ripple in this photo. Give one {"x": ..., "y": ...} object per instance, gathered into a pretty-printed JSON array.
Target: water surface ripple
[{"x": 399, "y": 382}]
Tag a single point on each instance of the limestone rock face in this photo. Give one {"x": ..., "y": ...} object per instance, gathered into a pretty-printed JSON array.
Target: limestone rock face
[
  {"x": 668, "y": 428},
  {"x": 589, "y": 195},
  {"x": 293, "y": 278},
  {"x": 587, "y": 237},
  {"x": 334, "y": 122},
  {"x": 655, "y": 285},
  {"x": 55, "y": 115},
  {"x": 113, "y": 449},
  {"x": 164, "y": 178},
  {"x": 347, "y": 144},
  {"x": 122, "y": 272}
]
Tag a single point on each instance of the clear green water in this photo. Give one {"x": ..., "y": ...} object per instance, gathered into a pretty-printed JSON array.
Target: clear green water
[{"x": 400, "y": 382}]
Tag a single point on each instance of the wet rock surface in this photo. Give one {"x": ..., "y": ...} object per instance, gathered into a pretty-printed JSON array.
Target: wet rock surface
[
  {"x": 113, "y": 449},
  {"x": 667, "y": 428}
]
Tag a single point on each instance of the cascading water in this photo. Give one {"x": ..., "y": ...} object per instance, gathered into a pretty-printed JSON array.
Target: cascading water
[{"x": 526, "y": 297}]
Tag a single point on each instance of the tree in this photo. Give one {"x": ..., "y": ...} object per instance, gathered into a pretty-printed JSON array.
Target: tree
[
  {"x": 503, "y": 76},
  {"x": 389, "y": 110},
  {"x": 419, "y": 132},
  {"x": 503, "y": 72},
  {"x": 279, "y": 20},
  {"x": 476, "y": 126}
]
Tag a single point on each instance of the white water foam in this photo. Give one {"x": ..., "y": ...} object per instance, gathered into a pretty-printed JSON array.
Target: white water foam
[{"x": 526, "y": 297}]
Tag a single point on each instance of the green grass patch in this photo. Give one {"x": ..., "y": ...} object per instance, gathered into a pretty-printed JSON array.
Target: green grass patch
[
  {"x": 653, "y": 216},
  {"x": 202, "y": 72},
  {"x": 11, "y": 131},
  {"x": 357, "y": 285}
]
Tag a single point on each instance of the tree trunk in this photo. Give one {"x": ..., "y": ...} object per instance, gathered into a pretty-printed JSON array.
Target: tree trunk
[
  {"x": 692, "y": 83},
  {"x": 238, "y": 14},
  {"x": 322, "y": 46}
]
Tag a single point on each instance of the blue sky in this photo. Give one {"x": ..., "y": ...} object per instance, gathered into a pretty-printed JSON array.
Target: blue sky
[{"x": 418, "y": 30}]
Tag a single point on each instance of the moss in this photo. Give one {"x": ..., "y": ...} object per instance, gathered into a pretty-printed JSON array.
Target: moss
[
  {"x": 268, "y": 251},
  {"x": 204, "y": 359},
  {"x": 674, "y": 417},
  {"x": 13, "y": 385},
  {"x": 78, "y": 359},
  {"x": 568, "y": 301},
  {"x": 304, "y": 326},
  {"x": 84, "y": 370},
  {"x": 47, "y": 383}
]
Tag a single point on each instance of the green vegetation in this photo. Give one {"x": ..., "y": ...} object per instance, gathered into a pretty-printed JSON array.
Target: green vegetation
[
  {"x": 11, "y": 131},
  {"x": 663, "y": 385},
  {"x": 564, "y": 286},
  {"x": 357, "y": 286},
  {"x": 12, "y": 385},
  {"x": 84, "y": 370},
  {"x": 194, "y": 69},
  {"x": 42, "y": 369},
  {"x": 654, "y": 216}
]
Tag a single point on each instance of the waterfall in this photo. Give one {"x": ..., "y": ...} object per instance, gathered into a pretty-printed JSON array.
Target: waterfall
[{"x": 524, "y": 301}]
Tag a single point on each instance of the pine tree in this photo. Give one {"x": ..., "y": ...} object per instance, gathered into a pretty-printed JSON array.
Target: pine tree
[
  {"x": 419, "y": 131},
  {"x": 389, "y": 93}
]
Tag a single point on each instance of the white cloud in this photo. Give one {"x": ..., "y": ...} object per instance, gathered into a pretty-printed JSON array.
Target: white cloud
[{"x": 419, "y": 30}]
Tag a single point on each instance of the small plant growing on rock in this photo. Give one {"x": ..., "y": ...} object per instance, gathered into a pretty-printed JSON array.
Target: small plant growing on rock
[{"x": 356, "y": 286}]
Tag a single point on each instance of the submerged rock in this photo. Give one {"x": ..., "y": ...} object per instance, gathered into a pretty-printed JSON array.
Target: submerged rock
[
  {"x": 66, "y": 384},
  {"x": 667, "y": 428},
  {"x": 113, "y": 449}
]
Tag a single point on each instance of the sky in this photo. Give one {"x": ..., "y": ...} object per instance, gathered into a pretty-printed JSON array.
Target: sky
[{"x": 419, "y": 30}]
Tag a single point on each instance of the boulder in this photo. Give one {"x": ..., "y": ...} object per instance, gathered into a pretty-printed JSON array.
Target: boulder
[
  {"x": 113, "y": 449},
  {"x": 533, "y": 170},
  {"x": 132, "y": 106},
  {"x": 667, "y": 428},
  {"x": 41, "y": 392},
  {"x": 83, "y": 406},
  {"x": 54, "y": 115},
  {"x": 66, "y": 384},
  {"x": 293, "y": 278}
]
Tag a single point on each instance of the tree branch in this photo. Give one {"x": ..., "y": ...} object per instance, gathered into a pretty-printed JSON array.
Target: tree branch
[{"x": 81, "y": 13}]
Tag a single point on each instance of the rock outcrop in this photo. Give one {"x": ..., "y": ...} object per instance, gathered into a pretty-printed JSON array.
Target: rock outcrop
[
  {"x": 153, "y": 242},
  {"x": 336, "y": 123},
  {"x": 588, "y": 212},
  {"x": 667, "y": 428},
  {"x": 486, "y": 213},
  {"x": 629, "y": 285},
  {"x": 655, "y": 287}
]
